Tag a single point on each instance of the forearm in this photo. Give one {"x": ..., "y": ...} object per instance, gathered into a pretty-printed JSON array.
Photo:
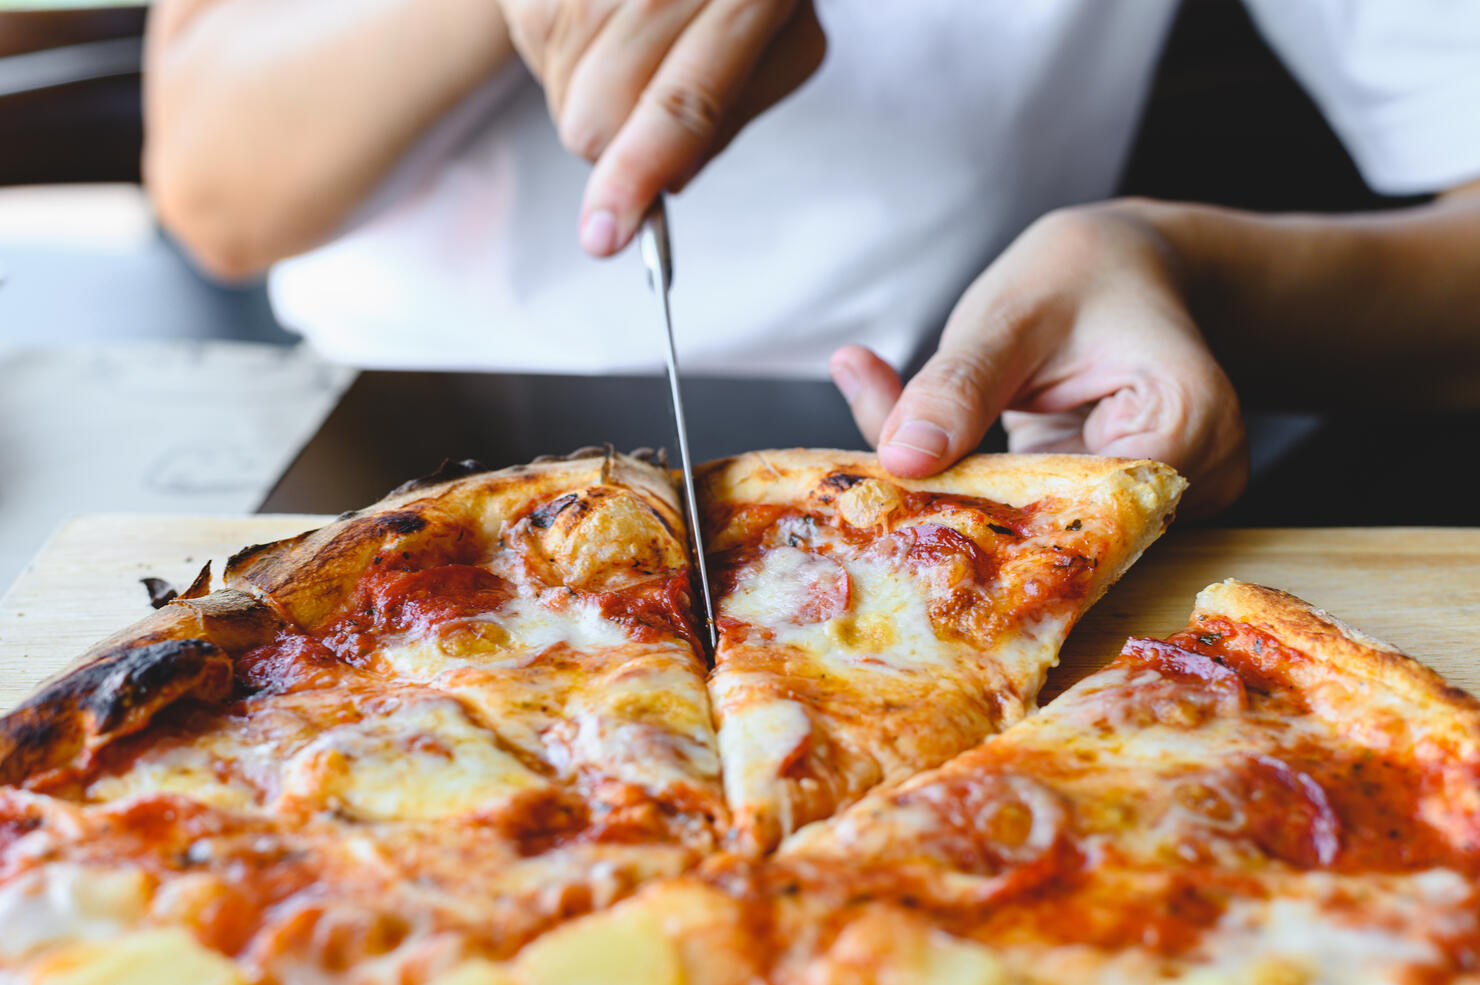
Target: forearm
[
  {"x": 1319, "y": 310},
  {"x": 269, "y": 121}
]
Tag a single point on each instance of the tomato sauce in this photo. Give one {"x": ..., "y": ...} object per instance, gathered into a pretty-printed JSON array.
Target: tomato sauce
[{"x": 653, "y": 610}]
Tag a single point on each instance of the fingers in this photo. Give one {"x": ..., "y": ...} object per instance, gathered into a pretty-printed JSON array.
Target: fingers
[
  {"x": 1189, "y": 420},
  {"x": 990, "y": 346},
  {"x": 869, "y": 384},
  {"x": 678, "y": 116},
  {"x": 593, "y": 89},
  {"x": 796, "y": 53}
]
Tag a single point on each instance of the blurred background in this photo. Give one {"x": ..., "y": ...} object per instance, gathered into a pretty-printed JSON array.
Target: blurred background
[{"x": 130, "y": 383}]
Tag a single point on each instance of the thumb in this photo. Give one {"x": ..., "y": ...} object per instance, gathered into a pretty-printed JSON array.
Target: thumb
[
  {"x": 986, "y": 353},
  {"x": 946, "y": 409}
]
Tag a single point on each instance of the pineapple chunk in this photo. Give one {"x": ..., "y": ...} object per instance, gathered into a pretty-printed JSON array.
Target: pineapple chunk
[
  {"x": 477, "y": 971},
  {"x": 885, "y": 947},
  {"x": 624, "y": 946},
  {"x": 150, "y": 957}
]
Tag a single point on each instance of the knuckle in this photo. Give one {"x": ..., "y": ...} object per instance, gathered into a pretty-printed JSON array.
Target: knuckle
[
  {"x": 957, "y": 384},
  {"x": 579, "y": 135},
  {"x": 692, "y": 106},
  {"x": 1073, "y": 231}
]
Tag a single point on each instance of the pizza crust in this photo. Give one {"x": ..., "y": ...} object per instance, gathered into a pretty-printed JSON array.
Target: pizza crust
[
  {"x": 784, "y": 475},
  {"x": 1136, "y": 497},
  {"x": 1338, "y": 652},
  {"x": 310, "y": 576},
  {"x": 185, "y": 650}
]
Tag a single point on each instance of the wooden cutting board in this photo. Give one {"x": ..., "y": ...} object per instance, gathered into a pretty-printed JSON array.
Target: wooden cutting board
[{"x": 1417, "y": 588}]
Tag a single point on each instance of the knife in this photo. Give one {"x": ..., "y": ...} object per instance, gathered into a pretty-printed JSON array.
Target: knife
[{"x": 657, "y": 255}]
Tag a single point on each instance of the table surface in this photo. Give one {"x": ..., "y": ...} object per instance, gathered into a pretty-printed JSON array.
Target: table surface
[{"x": 1418, "y": 588}]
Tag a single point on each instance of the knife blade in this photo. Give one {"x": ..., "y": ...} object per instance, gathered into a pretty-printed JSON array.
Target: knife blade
[{"x": 657, "y": 255}]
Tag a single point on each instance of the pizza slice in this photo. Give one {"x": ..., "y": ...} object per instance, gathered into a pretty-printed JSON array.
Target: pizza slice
[
  {"x": 1267, "y": 796},
  {"x": 424, "y": 732},
  {"x": 871, "y": 627}
]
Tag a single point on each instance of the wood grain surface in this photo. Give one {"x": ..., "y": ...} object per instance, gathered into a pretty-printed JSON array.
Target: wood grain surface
[
  {"x": 1417, "y": 588},
  {"x": 84, "y": 584}
]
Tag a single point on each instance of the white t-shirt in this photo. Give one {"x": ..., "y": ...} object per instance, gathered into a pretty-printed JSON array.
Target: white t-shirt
[{"x": 854, "y": 211}]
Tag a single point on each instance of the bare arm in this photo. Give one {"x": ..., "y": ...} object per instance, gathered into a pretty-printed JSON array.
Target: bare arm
[
  {"x": 1364, "y": 310},
  {"x": 269, "y": 121}
]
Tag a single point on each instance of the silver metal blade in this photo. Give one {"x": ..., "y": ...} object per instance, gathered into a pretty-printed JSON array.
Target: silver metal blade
[{"x": 657, "y": 254}]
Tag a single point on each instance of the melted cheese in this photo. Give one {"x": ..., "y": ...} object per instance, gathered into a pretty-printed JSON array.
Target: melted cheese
[
  {"x": 150, "y": 957},
  {"x": 756, "y": 740},
  {"x": 511, "y": 637},
  {"x": 424, "y": 760},
  {"x": 644, "y": 722},
  {"x": 886, "y": 621},
  {"x": 188, "y": 770},
  {"x": 1296, "y": 938},
  {"x": 64, "y": 903}
]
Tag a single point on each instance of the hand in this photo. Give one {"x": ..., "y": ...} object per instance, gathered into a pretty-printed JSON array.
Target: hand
[
  {"x": 1079, "y": 337},
  {"x": 650, "y": 90}
]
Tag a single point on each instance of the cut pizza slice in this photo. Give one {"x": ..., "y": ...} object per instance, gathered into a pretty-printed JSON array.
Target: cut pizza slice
[
  {"x": 1269, "y": 795},
  {"x": 872, "y": 627},
  {"x": 427, "y": 730}
]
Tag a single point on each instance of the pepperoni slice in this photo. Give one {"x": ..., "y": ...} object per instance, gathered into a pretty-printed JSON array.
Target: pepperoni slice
[
  {"x": 1184, "y": 690},
  {"x": 1287, "y": 813}
]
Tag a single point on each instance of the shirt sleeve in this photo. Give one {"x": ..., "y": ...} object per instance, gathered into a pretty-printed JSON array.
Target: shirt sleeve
[{"x": 1398, "y": 80}]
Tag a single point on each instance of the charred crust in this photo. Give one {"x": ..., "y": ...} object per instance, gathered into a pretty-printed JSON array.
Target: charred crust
[
  {"x": 841, "y": 481},
  {"x": 244, "y": 556},
  {"x": 446, "y": 472},
  {"x": 542, "y": 516},
  {"x": 116, "y": 693},
  {"x": 201, "y": 586},
  {"x": 401, "y": 522},
  {"x": 451, "y": 469},
  {"x": 109, "y": 691},
  {"x": 161, "y": 592}
]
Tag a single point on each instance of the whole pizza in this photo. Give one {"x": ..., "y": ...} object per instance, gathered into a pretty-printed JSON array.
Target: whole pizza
[{"x": 472, "y": 735}]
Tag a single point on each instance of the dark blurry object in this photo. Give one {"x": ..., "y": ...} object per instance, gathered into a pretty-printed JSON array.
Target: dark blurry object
[
  {"x": 70, "y": 106},
  {"x": 1227, "y": 124},
  {"x": 390, "y": 427}
]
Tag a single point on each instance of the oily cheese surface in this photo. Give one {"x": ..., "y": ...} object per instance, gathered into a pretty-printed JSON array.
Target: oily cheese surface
[
  {"x": 1044, "y": 854},
  {"x": 872, "y": 627}
]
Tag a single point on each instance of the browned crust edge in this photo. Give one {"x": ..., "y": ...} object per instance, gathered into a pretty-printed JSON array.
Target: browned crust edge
[
  {"x": 184, "y": 650},
  {"x": 1337, "y": 649},
  {"x": 309, "y": 576},
  {"x": 1138, "y": 496}
]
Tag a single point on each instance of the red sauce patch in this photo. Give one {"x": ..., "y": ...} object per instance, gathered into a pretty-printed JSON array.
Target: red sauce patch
[
  {"x": 653, "y": 610},
  {"x": 412, "y": 602}
]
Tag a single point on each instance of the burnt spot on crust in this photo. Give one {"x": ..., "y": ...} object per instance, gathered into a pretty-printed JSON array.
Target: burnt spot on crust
[
  {"x": 113, "y": 696},
  {"x": 109, "y": 692},
  {"x": 401, "y": 522},
  {"x": 244, "y": 556},
  {"x": 446, "y": 472},
  {"x": 541, "y": 517},
  {"x": 160, "y": 592},
  {"x": 842, "y": 481}
]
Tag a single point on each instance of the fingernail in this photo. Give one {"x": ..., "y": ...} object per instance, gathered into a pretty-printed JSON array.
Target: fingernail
[
  {"x": 599, "y": 233},
  {"x": 923, "y": 437},
  {"x": 847, "y": 382}
]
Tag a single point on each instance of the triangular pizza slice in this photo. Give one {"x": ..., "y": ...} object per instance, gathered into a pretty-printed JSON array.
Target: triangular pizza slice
[
  {"x": 425, "y": 731},
  {"x": 871, "y": 627},
  {"x": 1267, "y": 796}
]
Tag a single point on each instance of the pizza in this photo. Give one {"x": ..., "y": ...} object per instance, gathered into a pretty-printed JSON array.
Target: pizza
[
  {"x": 430, "y": 729},
  {"x": 1268, "y": 796},
  {"x": 872, "y": 627},
  {"x": 470, "y": 736}
]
